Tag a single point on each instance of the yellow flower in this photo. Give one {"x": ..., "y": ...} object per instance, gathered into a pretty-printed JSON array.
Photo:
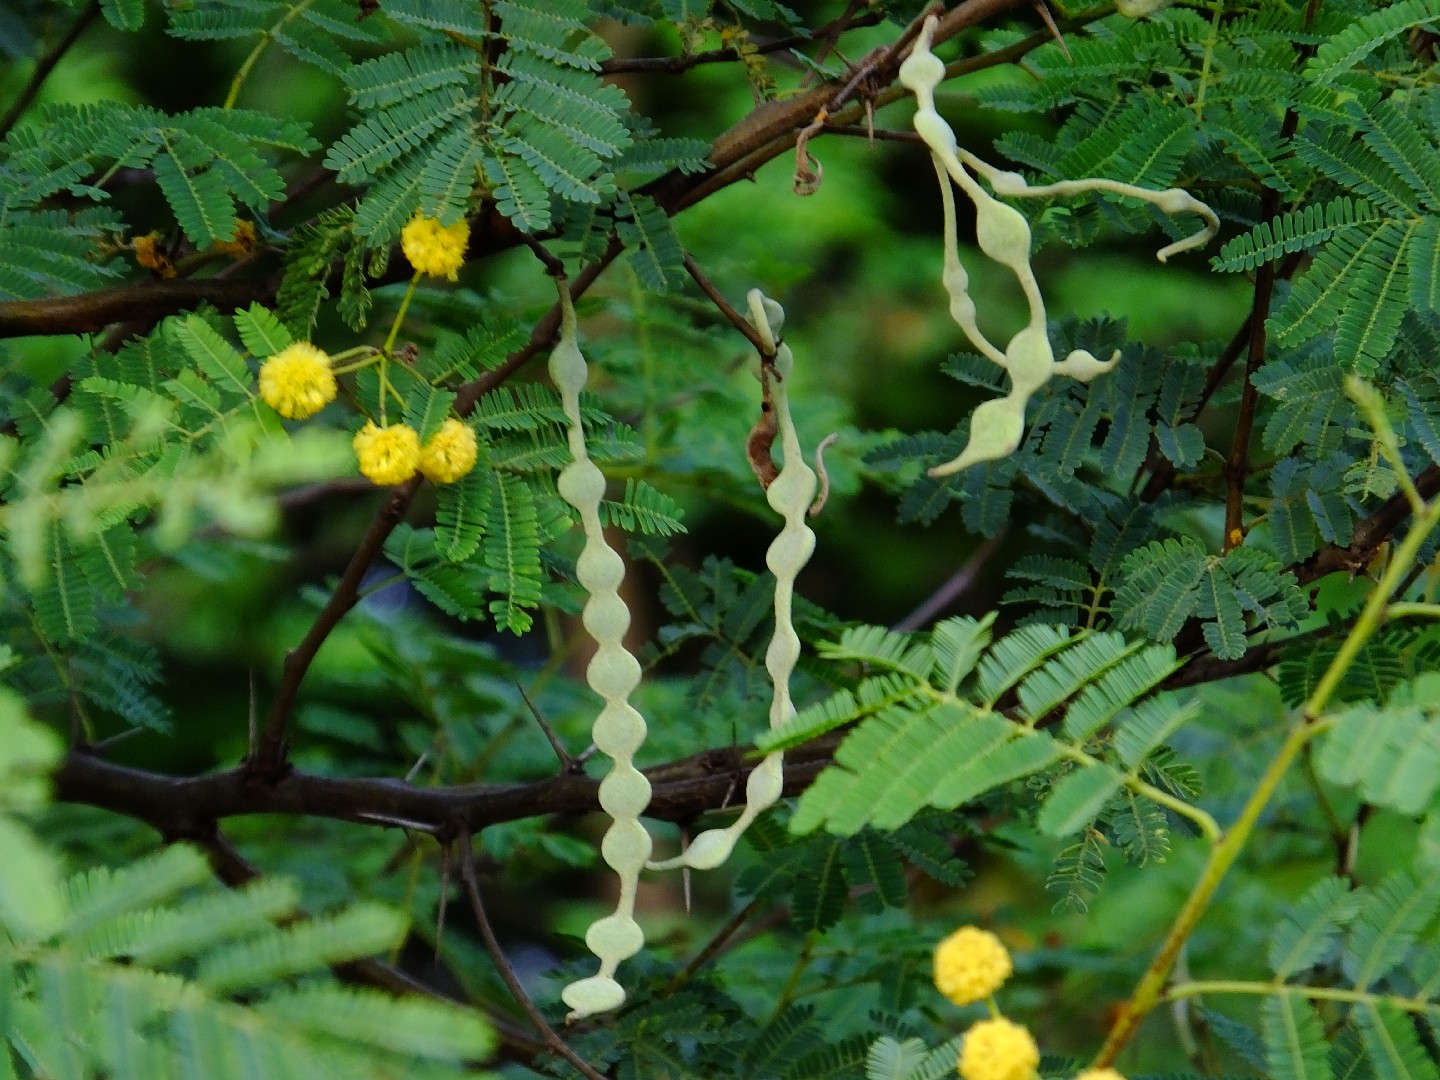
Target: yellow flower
[
  {"x": 970, "y": 965},
  {"x": 1099, "y": 1074},
  {"x": 242, "y": 242},
  {"x": 998, "y": 1050},
  {"x": 450, "y": 453},
  {"x": 297, "y": 381},
  {"x": 149, "y": 255},
  {"x": 435, "y": 249},
  {"x": 388, "y": 455}
]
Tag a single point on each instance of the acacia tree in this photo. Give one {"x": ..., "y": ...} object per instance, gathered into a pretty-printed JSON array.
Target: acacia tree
[{"x": 270, "y": 365}]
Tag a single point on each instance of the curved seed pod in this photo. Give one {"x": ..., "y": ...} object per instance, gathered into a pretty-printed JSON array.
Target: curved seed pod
[
  {"x": 613, "y": 674},
  {"x": 997, "y": 427},
  {"x": 790, "y": 495}
]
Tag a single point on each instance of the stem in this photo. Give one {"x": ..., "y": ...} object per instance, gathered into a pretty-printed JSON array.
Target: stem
[
  {"x": 260, "y": 46},
  {"x": 1148, "y": 992},
  {"x": 1408, "y": 609},
  {"x": 1314, "y": 993},
  {"x": 1151, "y": 986},
  {"x": 507, "y": 971},
  {"x": 1208, "y": 826},
  {"x": 400, "y": 316},
  {"x": 390, "y": 344}
]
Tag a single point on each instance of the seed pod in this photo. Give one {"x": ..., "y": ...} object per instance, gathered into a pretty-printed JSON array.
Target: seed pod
[
  {"x": 790, "y": 495},
  {"x": 997, "y": 427},
  {"x": 613, "y": 673}
]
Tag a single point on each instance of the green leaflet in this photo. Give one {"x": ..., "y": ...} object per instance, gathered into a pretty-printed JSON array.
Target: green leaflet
[
  {"x": 1391, "y": 752},
  {"x": 1295, "y": 1047},
  {"x": 1306, "y": 931}
]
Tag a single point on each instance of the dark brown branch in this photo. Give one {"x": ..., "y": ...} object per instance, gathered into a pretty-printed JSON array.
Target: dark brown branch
[
  {"x": 267, "y": 757},
  {"x": 92, "y": 312},
  {"x": 1369, "y": 534},
  {"x": 46, "y": 66},
  {"x": 771, "y": 129},
  {"x": 507, "y": 971},
  {"x": 727, "y": 309},
  {"x": 759, "y": 137},
  {"x": 189, "y": 805},
  {"x": 1237, "y": 464}
]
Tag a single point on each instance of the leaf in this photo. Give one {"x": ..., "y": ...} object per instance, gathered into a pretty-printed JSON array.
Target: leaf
[
  {"x": 1307, "y": 929},
  {"x": 1340, "y": 53},
  {"x": 461, "y": 510},
  {"x": 1295, "y": 1047},
  {"x": 262, "y": 333},
  {"x": 30, "y": 898},
  {"x": 1078, "y": 798},
  {"x": 890, "y": 1059},
  {"x": 957, "y": 645},
  {"x": 1394, "y": 1049},
  {"x": 214, "y": 356},
  {"x": 200, "y": 201},
  {"x": 1388, "y": 924},
  {"x": 426, "y": 408}
]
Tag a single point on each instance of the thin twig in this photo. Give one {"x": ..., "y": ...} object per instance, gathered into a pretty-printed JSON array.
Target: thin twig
[
  {"x": 567, "y": 760},
  {"x": 46, "y": 66},
  {"x": 507, "y": 971},
  {"x": 734, "y": 317},
  {"x": 954, "y": 587},
  {"x": 712, "y": 947}
]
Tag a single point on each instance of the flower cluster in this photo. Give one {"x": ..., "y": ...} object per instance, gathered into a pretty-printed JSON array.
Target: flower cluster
[
  {"x": 998, "y": 1049},
  {"x": 393, "y": 454},
  {"x": 450, "y": 453},
  {"x": 433, "y": 248},
  {"x": 150, "y": 255},
  {"x": 297, "y": 382},
  {"x": 970, "y": 965},
  {"x": 242, "y": 242},
  {"x": 387, "y": 455}
]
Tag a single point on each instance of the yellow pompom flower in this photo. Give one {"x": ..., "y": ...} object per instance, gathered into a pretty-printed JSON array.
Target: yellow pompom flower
[
  {"x": 970, "y": 965},
  {"x": 435, "y": 249},
  {"x": 998, "y": 1050},
  {"x": 450, "y": 453},
  {"x": 243, "y": 241},
  {"x": 1100, "y": 1074},
  {"x": 149, "y": 254},
  {"x": 388, "y": 455},
  {"x": 297, "y": 381}
]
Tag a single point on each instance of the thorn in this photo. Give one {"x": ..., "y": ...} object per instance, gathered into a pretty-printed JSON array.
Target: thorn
[
  {"x": 568, "y": 763},
  {"x": 1044, "y": 11}
]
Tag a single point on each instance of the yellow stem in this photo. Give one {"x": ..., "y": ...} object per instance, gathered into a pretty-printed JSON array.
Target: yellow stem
[
  {"x": 1314, "y": 993},
  {"x": 260, "y": 46},
  {"x": 1149, "y": 990}
]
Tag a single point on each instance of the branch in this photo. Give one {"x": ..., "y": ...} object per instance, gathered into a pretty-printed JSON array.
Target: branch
[
  {"x": 188, "y": 806},
  {"x": 675, "y": 65},
  {"x": 92, "y": 312},
  {"x": 507, "y": 970},
  {"x": 764, "y": 134},
  {"x": 1369, "y": 534}
]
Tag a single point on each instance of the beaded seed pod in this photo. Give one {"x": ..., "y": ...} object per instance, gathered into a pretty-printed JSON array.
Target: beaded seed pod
[
  {"x": 613, "y": 673},
  {"x": 789, "y": 495}
]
